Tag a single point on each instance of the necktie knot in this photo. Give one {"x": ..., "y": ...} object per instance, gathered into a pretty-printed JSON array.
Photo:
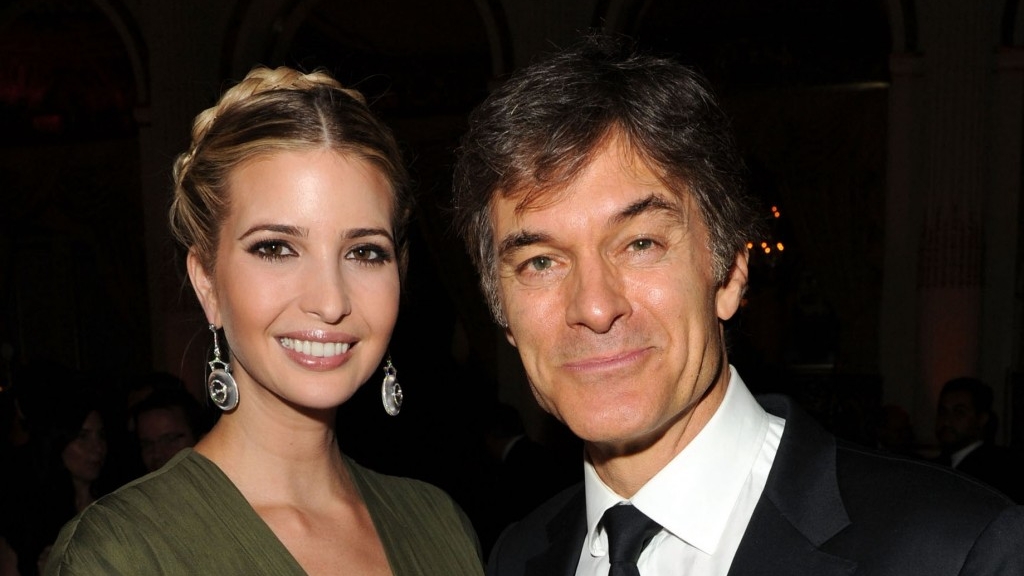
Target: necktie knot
[{"x": 629, "y": 531}]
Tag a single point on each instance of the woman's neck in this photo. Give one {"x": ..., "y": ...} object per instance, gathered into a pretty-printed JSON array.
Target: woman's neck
[{"x": 280, "y": 456}]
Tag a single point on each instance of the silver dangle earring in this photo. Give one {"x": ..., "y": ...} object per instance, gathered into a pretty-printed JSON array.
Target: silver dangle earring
[
  {"x": 220, "y": 385},
  {"x": 390, "y": 391}
]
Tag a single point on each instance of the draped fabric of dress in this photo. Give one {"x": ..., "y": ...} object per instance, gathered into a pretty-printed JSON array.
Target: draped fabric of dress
[{"x": 188, "y": 518}]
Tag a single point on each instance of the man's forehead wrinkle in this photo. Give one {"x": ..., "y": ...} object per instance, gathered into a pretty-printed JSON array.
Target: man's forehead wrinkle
[
  {"x": 652, "y": 203},
  {"x": 536, "y": 198},
  {"x": 539, "y": 175}
]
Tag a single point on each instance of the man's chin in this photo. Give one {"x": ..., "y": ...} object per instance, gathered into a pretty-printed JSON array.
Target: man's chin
[
  {"x": 609, "y": 442},
  {"x": 945, "y": 439}
]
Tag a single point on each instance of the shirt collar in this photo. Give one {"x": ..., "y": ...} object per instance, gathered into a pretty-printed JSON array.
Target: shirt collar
[
  {"x": 693, "y": 495},
  {"x": 957, "y": 457}
]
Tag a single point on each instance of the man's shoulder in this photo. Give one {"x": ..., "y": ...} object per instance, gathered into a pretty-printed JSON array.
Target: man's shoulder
[
  {"x": 888, "y": 513},
  {"x": 566, "y": 506},
  {"x": 991, "y": 456},
  {"x": 923, "y": 518},
  {"x": 867, "y": 475},
  {"x": 561, "y": 518},
  {"x": 894, "y": 482},
  {"x": 876, "y": 483}
]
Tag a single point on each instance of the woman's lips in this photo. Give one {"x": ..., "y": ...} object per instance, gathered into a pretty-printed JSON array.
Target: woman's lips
[{"x": 318, "y": 351}]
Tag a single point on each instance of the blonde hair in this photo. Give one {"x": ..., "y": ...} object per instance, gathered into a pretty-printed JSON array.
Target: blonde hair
[{"x": 274, "y": 110}]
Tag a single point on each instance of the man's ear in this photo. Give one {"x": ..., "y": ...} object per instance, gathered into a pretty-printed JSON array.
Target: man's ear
[
  {"x": 503, "y": 322},
  {"x": 202, "y": 283},
  {"x": 730, "y": 293}
]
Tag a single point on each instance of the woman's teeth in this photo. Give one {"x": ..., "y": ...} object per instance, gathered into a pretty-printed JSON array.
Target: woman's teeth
[{"x": 319, "y": 349}]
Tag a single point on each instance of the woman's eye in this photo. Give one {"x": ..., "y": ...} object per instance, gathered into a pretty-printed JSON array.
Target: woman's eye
[
  {"x": 370, "y": 253},
  {"x": 272, "y": 250}
]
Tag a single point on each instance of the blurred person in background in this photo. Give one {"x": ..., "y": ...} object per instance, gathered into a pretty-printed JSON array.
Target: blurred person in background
[
  {"x": 60, "y": 471},
  {"x": 166, "y": 422},
  {"x": 965, "y": 427}
]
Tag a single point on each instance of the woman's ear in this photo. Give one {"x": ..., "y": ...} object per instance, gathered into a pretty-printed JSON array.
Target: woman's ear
[
  {"x": 202, "y": 283},
  {"x": 730, "y": 293}
]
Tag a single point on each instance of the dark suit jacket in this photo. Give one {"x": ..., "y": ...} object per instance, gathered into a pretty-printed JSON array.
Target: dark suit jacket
[
  {"x": 829, "y": 508},
  {"x": 998, "y": 467}
]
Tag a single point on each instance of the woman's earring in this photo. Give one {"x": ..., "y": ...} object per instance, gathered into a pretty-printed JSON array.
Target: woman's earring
[
  {"x": 390, "y": 391},
  {"x": 220, "y": 385}
]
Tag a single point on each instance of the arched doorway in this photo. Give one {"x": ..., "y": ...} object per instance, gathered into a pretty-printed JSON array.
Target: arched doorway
[{"x": 72, "y": 270}]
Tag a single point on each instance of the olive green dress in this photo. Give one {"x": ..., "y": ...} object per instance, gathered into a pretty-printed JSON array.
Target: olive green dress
[{"x": 188, "y": 518}]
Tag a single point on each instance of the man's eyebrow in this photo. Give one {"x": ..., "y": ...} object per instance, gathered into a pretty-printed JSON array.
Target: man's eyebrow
[
  {"x": 520, "y": 239},
  {"x": 277, "y": 228},
  {"x": 524, "y": 238},
  {"x": 652, "y": 203}
]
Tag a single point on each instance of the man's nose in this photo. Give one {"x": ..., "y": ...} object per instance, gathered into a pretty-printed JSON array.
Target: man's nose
[{"x": 596, "y": 295}]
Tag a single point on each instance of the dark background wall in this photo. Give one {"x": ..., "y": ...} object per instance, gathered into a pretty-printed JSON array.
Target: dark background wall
[{"x": 883, "y": 139}]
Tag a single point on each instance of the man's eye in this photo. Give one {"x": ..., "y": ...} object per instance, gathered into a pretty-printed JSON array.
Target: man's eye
[
  {"x": 540, "y": 270},
  {"x": 539, "y": 263},
  {"x": 641, "y": 244}
]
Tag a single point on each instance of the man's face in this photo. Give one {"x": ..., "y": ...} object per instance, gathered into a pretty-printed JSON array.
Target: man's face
[
  {"x": 958, "y": 423},
  {"x": 607, "y": 288},
  {"x": 163, "y": 432}
]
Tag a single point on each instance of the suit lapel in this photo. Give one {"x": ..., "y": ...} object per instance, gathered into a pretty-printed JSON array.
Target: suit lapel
[
  {"x": 566, "y": 532},
  {"x": 801, "y": 507},
  {"x": 773, "y": 545}
]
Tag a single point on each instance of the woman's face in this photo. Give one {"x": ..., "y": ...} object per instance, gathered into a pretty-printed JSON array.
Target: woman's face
[
  {"x": 84, "y": 456},
  {"x": 306, "y": 280}
]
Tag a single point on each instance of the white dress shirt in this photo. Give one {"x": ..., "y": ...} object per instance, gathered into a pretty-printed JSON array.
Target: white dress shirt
[
  {"x": 703, "y": 498},
  {"x": 957, "y": 457}
]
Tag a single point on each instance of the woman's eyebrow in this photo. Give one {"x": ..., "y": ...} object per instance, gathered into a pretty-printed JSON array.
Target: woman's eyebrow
[
  {"x": 278, "y": 228},
  {"x": 366, "y": 232}
]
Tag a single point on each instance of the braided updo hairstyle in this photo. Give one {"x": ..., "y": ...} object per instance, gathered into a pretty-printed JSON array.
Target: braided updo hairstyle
[{"x": 274, "y": 110}]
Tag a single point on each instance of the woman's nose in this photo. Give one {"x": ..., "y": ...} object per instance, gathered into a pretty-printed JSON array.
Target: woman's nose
[{"x": 324, "y": 292}]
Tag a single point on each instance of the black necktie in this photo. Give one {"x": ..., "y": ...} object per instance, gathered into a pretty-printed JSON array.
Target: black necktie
[{"x": 629, "y": 531}]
